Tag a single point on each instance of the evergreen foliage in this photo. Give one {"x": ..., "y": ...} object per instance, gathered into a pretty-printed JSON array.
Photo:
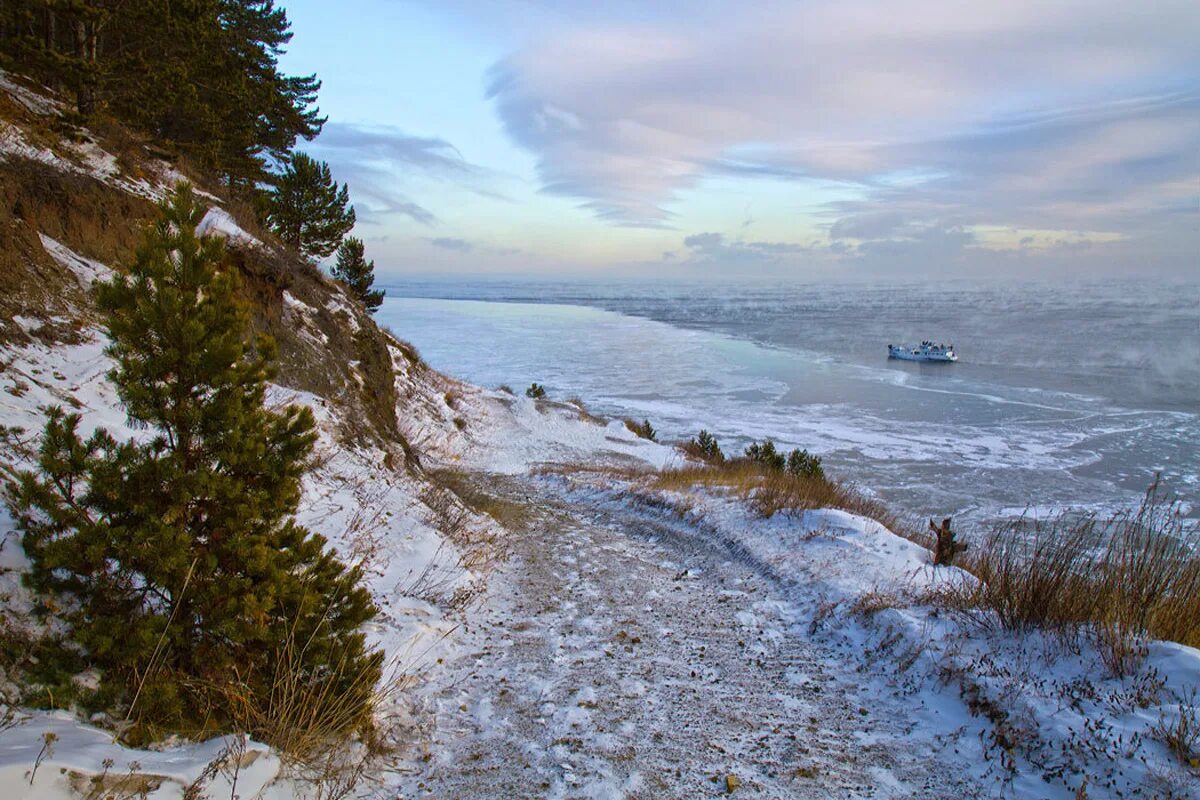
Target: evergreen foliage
[
  {"x": 173, "y": 558},
  {"x": 357, "y": 273},
  {"x": 643, "y": 430},
  {"x": 800, "y": 463},
  {"x": 804, "y": 464},
  {"x": 536, "y": 391},
  {"x": 706, "y": 448},
  {"x": 201, "y": 76},
  {"x": 766, "y": 454},
  {"x": 308, "y": 210}
]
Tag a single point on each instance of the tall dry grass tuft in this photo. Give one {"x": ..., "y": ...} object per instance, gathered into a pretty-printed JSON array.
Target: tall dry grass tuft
[
  {"x": 326, "y": 727},
  {"x": 771, "y": 492},
  {"x": 1132, "y": 575}
]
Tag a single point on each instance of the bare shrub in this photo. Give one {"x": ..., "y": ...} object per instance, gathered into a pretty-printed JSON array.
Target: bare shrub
[{"x": 1181, "y": 735}]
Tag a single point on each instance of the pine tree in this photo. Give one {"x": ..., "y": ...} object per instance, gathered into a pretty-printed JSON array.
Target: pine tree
[
  {"x": 200, "y": 76},
  {"x": 804, "y": 464},
  {"x": 705, "y": 447},
  {"x": 174, "y": 556},
  {"x": 357, "y": 273},
  {"x": 307, "y": 209},
  {"x": 766, "y": 454}
]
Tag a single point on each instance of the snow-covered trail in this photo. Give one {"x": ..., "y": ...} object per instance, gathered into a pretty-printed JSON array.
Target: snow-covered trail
[{"x": 615, "y": 658}]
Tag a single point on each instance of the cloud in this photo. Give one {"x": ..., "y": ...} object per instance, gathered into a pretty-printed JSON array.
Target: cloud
[
  {"x": 713, "y": 248},
  {"x": 465, "y": 246},
  {"x": 379, "y": 143},
  {"x": 376, "y": 160},
  {"x": 939, "y": 116},
  {"x": 446, "y": 243}
]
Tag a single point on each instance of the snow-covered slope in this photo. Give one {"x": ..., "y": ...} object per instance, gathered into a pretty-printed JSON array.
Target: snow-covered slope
[
  {"x": 425, "y": 554},
  {"x": 392, "y": 520}
]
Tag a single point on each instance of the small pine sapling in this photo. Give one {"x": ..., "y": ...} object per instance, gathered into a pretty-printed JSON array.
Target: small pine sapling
[
  {"x": 804, "y": 464},
  {"x": 175, "y": 556},
  {"x": 642, "y": 430},
  {"x": 536, "y": 391},
  {"x": 767, "y": 455},
  {"x": 706, "y": 448}
]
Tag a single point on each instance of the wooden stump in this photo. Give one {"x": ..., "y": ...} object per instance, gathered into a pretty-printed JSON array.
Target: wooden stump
[{"x": 945, "y": 548}]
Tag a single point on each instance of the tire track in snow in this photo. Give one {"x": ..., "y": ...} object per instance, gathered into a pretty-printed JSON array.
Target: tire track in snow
[{"x": 621, "y": 655}]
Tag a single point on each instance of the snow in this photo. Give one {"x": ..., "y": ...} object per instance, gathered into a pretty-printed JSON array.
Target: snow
[
  {"x": 87, "y": 270},
  {"x": 373, "y": 517},
  {"x": 962, "y": 689},
  {"x": 510, "y": 434},
  {"x": 67, "y": 754},
  {"x": 221, "y": 222},
  {"x": 34, "y": 102},
  {"x": 87, "y": 157},
  {"x": 14, "y": 144},
  {"x": 626, "y": 611}
]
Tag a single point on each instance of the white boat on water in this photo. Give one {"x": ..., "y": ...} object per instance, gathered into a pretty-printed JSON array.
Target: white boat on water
[{"x": 925, "y": 351}]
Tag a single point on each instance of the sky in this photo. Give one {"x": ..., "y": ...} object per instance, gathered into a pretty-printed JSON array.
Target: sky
[{"x": 809, "y": 139}]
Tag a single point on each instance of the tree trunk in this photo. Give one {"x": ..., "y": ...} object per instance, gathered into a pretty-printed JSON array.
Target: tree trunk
[{"x": 85, "y": 52}]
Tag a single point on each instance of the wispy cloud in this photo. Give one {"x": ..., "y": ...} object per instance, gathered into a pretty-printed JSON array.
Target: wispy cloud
[
  {"x": 941, "y": 116},
  {"x": 714, "y": 248},
  {"x": 377, "y": 160},
  {"x": 447, "y": 243}
]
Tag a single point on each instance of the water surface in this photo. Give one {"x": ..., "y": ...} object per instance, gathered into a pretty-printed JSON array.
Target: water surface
[{"x": 1064, "y": 395}]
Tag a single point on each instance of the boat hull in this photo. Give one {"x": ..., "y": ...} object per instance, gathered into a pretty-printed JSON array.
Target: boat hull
[{"x": 934, "y": 356}]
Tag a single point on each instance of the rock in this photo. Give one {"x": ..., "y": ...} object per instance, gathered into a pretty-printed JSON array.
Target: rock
[{"x": 732, "y": 782}]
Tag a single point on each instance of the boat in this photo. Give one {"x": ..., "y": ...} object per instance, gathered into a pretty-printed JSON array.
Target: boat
[{"x": 925, "y": 351}]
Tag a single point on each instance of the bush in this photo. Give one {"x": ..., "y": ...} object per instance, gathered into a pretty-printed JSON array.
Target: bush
[
  {"x": 642, "y": 430},
  {"x": 536, "y": 391},
  {"x": 803, "y": 464},
  {"x": 766, "y": 454},
  {"x": 174, "y": 557},
  {"x": 799, "y": 463},
  {"x": 705, "y": 448}
]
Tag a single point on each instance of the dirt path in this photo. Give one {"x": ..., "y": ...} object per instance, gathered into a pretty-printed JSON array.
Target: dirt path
[{"x": 615, "y": 658}]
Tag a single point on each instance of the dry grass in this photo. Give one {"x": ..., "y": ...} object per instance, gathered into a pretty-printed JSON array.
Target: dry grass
[
  {"x": 302, "y": 717},
  {"x": 328, "y": 731},
  {"x": 771, "y": 492},
  {"x": 474, "y": 494},
  {"x": 1135, "y": 574},
  {"x": 642, "y": 430},
  {"x": 872, "y": 602},
  {"x": 584, "y": 414},
  {"x": 1181, "y": 735}
]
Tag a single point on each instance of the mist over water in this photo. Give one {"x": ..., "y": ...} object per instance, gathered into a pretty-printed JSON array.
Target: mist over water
[{"x": 1064, "y": 395}]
